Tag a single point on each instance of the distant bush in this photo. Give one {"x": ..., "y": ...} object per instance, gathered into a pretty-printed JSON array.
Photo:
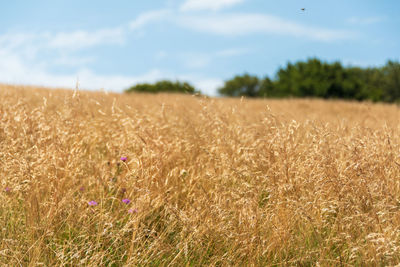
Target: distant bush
[
  {"x": 241, "y": 85},
  {"x": 163, "y": 86}
]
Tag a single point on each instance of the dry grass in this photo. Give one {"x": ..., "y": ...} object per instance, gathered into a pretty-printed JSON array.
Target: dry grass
[{"x": 215, "y": 181}]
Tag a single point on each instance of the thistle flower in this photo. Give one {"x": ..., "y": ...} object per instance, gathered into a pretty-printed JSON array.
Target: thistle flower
[
  {"x": 124, "y": 159},
  {"x": 92, "y": 203},
  {"x": 126, "y": 201}
]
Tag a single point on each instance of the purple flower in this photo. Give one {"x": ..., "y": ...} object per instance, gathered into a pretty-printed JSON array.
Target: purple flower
[
  {"x": 124, "y": 159},
  {"x": 82, "y": 189},
  {"x": 7, "y": 189},
  {"x": 133, "y": 210},
  {"x": 126, "y": 201},
  {"x": 92, "y": 203}
]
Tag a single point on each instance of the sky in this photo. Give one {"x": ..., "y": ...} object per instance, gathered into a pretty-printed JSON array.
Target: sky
[{"x": 112, "y": 45}]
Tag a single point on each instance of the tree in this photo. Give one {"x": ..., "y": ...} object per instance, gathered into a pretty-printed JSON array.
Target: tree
[
  {"x": 391, "y": 84},
  {"x": 241, "y": 85},
  {"x": 315, "y": 78},
  {"x": 311, "y": 78},
  {"x": 267, "y": 88},
  {"x": 163, "y": 86}
]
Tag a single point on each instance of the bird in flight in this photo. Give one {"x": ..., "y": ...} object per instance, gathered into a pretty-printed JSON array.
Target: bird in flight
[{"x": 303, "y": 9}]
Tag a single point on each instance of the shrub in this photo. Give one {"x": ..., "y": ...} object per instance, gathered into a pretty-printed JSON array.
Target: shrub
[{"x": 163, "y": 86}]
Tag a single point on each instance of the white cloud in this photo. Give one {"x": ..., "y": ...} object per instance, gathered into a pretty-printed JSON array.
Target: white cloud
[
  {"x": 14, "y": 40},
  {"x": 231, "y": 52},
  {"x": 27, "y": 44},
  {"x": 22, "y": 54},
  {"x": 208, "y": 86},
  {"x": 149, "y": 17},
  {"x": 236, "y": 24},
  {"x": 15, "y": 70},
  {"x": 213, "y": 5},
  {"x": 31, "y": 43},
  {"x": 244, "y": 24},
  {"x": 195, "y": 60},
  {"x": 365, "y": 20},
  {"x": 82, "y": 39},
  {"x": 22, "y": 63},
  {"x": 73, "y": 61}
]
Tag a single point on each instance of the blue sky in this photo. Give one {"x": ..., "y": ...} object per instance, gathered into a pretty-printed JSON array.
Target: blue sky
[{"x": 114, "y": 44}]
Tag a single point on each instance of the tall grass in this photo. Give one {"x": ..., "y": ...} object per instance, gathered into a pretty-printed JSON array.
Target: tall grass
[{"x": 210, "y": 181}]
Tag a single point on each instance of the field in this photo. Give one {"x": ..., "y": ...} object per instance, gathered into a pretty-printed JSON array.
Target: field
[{"x": 97, "y": 179}]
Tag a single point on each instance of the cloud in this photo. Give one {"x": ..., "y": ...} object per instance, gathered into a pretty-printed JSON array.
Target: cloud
[
  {"x": 236, "y": 24},
  {"x": 245, "y": 24},
  {"x": 196, "y": 60},
  {"x": 73, "y": 61},
  {"x": 30, "y": 58},
  {"x": 208, "y": 86},
  {"x": 31, "y": 43},
  {"x": 83, "y": 39},
  {"x": 14, "y": 40},
  {"x": 365, "y": 20},
  {"x": 149, "y": 17},
  {"x": 231, "y": 52},
  {"x": 22, "y": 62},
  {"x": 15, "y": 70},
  {"x": 213, "y": 5},
  {"x": 46, "y": 50}
]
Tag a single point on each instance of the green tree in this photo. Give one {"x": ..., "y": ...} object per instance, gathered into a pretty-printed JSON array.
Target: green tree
[
  {"x": 311, "y": 78},
  {"x": 241, "y": 85},
  {"x": 163, "y": 86},
  {"x": 391, "y": 84},
  {"x": 267, "y": 88}
]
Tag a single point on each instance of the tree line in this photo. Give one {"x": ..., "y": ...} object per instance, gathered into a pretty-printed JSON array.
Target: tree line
[
  {"x": 163, "y": 86},
  {"x": 311, "y": 78},
  {"x": 314, "y": 78}
]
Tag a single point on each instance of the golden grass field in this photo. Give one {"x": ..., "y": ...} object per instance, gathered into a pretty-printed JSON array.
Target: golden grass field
[{"x": 211, "y": 182}]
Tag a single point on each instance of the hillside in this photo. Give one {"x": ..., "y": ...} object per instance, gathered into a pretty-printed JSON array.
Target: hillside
[{"x": 90, "y": 178}]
